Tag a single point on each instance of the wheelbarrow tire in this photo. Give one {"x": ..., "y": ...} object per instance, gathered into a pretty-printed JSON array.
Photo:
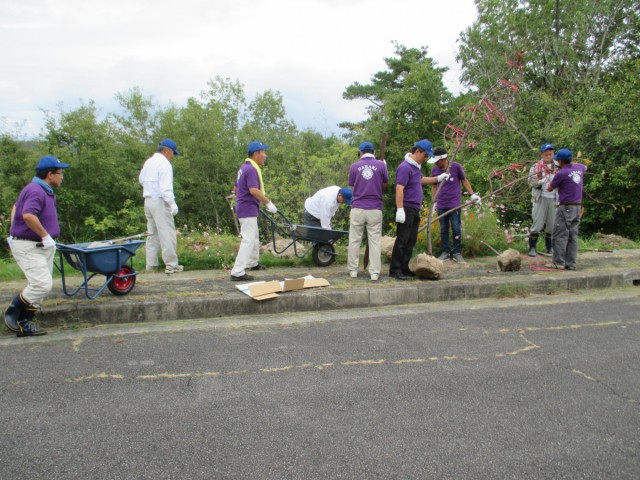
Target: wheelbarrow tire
[
  {"x": 122, "y": 286},
  {"x": 323, "y": 254}
]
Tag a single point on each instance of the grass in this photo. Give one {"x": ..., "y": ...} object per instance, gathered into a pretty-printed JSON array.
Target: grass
[
  {"x": 512, "y": 290},
  {"x": 203, "y": 249}
]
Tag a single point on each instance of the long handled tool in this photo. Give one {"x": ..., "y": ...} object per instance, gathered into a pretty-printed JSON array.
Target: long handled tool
[
  {"x": 229, "y": 199},
  {"x": 116, "y": 241}
]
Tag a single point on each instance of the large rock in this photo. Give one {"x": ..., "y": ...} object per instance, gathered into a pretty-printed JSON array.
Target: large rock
[
  {"x": 386, "y": 245},
  {"x": 509, "y": 261},
  {"x": 281, "y": 243},
  {"x": 426, "y": 266}
]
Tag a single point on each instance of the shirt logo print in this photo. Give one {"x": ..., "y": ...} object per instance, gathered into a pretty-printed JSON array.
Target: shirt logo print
[
  {"x": 367, "y": 173},
  {"x": 576, "y": 176}
]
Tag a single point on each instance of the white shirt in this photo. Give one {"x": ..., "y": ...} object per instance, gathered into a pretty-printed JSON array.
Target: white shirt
[
  {"x": 156, "y": 178},
  {"x": 323, "y": 205}
]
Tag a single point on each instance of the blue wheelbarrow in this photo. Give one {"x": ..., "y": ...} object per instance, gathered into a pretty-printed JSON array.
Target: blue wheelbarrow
[
  {"x": 321, "y": 239},
  {"x": 111, "y": 258}
]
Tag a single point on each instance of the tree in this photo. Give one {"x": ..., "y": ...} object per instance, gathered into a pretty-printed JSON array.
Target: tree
[
  {"x": 408, "y": 101},
  {"x": 577, "y": 65}
]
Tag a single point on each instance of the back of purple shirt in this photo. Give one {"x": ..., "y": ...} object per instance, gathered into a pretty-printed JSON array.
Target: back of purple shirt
[
  {"x": 366, "y": 176},
  {"x": 450, "y": 194},
  {"x": 410, "y": 177},
  {"x": 36, "y": 200},
  {"x": 246, "y": 204},
  {"x": 569, "y": 181}
]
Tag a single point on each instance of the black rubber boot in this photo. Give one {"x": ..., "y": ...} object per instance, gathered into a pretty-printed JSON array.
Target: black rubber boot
[
  {"x": 27, "y": 325},
  {"x": 548, "y": 244},
  {"x": 533, "y": 240},
  {"x": 13, "y": 313}
]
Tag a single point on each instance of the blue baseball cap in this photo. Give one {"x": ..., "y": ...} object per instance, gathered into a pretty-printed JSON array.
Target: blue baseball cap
[
  {"x": 366, "y": 147},
  {"x": 564, "y": 155},
  {"x": 167, "y": 142},
  {"x": 50, "y": 162},
  {"x": 425, "y": 145},
  {"x": 347, "y": 195},
  {"x": 546, "y": 146},
  {"x": 256, "y": 147}
]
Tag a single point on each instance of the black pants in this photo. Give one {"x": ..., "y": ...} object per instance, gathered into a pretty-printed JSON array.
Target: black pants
[{"x": 405, "y": 241}]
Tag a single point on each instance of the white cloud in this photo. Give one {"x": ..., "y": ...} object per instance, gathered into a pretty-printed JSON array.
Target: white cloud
[{"x": 309, "y": 51}]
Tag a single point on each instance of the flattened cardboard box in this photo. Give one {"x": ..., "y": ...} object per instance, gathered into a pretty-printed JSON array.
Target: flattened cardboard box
[{"x": 266, "y": 290}]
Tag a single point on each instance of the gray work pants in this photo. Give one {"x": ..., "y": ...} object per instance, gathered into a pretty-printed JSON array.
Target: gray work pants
[
  {"x": 543, "y": 215},
  {"x": 565, "y": 235}
]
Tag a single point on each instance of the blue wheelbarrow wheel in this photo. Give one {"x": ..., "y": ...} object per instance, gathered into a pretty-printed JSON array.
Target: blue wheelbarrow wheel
[
  {"x": 122, "y": 286},
  {"x": 323, "y": 254}
]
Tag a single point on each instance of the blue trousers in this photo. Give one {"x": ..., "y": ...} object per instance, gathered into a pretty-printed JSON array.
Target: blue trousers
[{"x": 453, "y": 220}]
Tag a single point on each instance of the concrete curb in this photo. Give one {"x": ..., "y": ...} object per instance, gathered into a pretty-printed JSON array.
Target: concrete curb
[{"x": 415, "y": 292}]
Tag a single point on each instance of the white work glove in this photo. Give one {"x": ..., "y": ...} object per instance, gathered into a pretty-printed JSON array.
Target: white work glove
[
  {"x": 174, "y": 209},
  {"x": 272, "y": 208},
  {"x": 48, "y": 242},
  {"x": 434, "y": 210},
  {"x": 400, "y": 215},
  {"x": 476, "y": 198},
  {"x": 443, "y": 177}
]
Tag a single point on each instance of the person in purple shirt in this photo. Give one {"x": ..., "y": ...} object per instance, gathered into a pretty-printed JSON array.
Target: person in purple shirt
[
  {"x": 409, "y": 184},
  {"x": 249, "y": 190},
  {"x": 569, "y": 181},
  {"x": 368, "y": 177},
  {"x": 449, "y": 196},
  {"x": 34, "y": 226}
]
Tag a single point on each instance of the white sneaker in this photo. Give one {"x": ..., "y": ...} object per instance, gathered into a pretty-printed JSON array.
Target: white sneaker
[
  {"x": 375, "y": 277},
  {"x": 176, "y": 269},
  {"x": 353, "y": 274},
  {"x": 444, "y": 256}
]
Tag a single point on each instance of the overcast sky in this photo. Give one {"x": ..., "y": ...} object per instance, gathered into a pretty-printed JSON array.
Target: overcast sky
[{"x": 65, "y": 51}]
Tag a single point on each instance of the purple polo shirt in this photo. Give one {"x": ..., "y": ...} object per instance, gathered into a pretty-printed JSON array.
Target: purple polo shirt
[
  {"x": 450, "y": 194},
  {"x": 569, "y": 180},
  {"x": 410, "y": 177},
  {"x": 366, "y": 176},
  {"x": 36, "y": 200},
  {"x": 246, "y": 204}
]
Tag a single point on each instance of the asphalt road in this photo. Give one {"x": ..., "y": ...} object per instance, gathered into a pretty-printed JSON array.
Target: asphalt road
[{"x": 540, "y": 388}]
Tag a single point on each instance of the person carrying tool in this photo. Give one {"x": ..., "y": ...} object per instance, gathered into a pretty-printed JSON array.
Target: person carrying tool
[
  {"x": 569, "y": 181},
  {"x": 34, "y": 226},
  {"x": 368, "y": 177},
  {"x": 448, "y": 197},
  {"x": 543, "y": 212},
  {"x": 320, "y": 208},
  {"x": 249, "y": 189},
  {"x": 160, "y": 208},
  {"x": 409, "y": 183}
]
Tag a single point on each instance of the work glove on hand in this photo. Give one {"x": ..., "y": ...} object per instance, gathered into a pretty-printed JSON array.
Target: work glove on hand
[
  {"x": 174, "y": 209},
  {"x": 48, "y": 242},
  {"x": 272, "y": 208},
  {"x": 434, "y": 210},
  {"x": 443, "y": 177},
  {"x": 400, "y": 215},
  {"x": 476, "y": 198}
]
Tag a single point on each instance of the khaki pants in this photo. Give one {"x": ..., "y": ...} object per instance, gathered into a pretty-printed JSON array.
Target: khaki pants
[
  {"x": 249, "y": 252},
  {"x": 37, "y": 265},
  {"x": 163, "y": 238},
  {"x": 372, "y": 219}
]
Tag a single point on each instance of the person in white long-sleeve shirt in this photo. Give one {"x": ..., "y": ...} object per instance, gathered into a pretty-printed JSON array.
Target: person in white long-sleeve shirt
[
  {"x": 323, "y": 205},
  {"x": 156, "y": 178}
]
